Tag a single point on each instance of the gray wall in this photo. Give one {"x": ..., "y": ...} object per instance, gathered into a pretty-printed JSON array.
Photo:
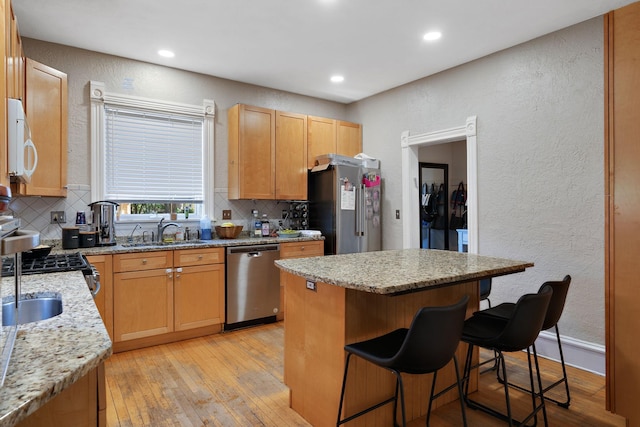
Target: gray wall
[
  {"x": 540, "y": 160},
  {"x": 540, "y": 147}
]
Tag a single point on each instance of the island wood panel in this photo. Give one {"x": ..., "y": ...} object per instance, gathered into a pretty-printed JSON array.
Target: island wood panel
[
  {"x": 622, "y": 173},
  {"x": 318, "y": 325}
]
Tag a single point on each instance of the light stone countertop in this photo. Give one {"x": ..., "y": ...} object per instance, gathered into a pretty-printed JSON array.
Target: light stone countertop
[
  {"x": 400, "y": 271},
  {"x": 122, "y": 248},
  {"x": 52, "y": 354}
]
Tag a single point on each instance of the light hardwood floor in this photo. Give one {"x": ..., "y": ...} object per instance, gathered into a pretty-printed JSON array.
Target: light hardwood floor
[{"x": 235, "y": 379}]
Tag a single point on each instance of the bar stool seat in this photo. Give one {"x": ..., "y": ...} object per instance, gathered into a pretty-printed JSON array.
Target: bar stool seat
[
  {"x": 554, "y": 312},
  {"x": 516, "y": 333},
  {"x": 426, "y": 346}
]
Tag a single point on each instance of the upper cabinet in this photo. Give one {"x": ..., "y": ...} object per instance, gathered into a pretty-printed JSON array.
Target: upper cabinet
[
  {"x": 291, "y": 156},
  {"x": 46, "y": 111},
  {"x": 349, "y": 139},
  {"x": 327, "y": 136},
  {"x": 271, "y": 151},
  {"x": 252, "y": 152},
  {"x": 267, "y": 154},
  {"x": 321, "y": 138}
]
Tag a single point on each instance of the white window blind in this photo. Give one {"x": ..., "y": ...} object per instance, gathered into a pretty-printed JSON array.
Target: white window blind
[{"x": 153, "y": 156}]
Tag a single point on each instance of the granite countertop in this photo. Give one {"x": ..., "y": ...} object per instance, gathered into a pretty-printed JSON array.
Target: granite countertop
[
  {"x": 399, "y": 271},
  {"x": 52, "y": 354},
  {"x": 196, "y": 244}
]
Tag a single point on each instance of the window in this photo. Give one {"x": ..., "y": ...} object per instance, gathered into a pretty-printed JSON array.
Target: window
[{"x": 151, "y": 156}]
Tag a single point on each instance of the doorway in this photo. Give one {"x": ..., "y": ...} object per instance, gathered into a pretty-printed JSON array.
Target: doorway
[
  {"x": 410, "y": 145},
  {"x": 434, "y": 221}
]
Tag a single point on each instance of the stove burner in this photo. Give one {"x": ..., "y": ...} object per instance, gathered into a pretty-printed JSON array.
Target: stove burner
[{"x": 49, "y": 264}]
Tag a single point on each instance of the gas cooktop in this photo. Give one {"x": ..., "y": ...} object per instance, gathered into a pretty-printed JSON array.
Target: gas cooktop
[{"x": 49, "y": 264}]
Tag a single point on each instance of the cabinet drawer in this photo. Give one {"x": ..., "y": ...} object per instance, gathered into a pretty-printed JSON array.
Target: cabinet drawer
[
  {"x": 302, "y": 249},
  {"x": 142, "y": 261},
  {"x": 187, "y": 257}
]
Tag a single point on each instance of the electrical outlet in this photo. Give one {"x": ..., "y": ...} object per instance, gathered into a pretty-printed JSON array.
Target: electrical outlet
[
  {"x": 397, "y": 213},
  {"x": 226, "y": 214},
  {"x": 58, "y": 217}
]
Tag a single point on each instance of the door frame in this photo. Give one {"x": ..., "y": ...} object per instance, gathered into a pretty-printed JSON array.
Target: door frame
[{"x": 410, "y": 145}]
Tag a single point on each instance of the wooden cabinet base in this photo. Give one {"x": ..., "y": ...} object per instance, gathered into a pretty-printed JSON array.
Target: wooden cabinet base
[
  {"x": 165, "y": 338},
  {"x": 81, "y": 404},
  {"x": 320, "y": 322}
]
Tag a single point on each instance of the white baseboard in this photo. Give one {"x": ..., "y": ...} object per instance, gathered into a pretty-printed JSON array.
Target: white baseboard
[{"x": 580, "y": 354}]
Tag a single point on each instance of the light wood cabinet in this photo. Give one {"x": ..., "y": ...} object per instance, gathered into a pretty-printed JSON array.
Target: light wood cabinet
[
  {"x": 15, "y": 60},
  {"x": 297, "y": 250},
  {"x": 322, "y": 134},
  {"x": 349, "y": 138},
  {"x": 142, "y": 304},
  {"x": 46, "y": 111},
  {"x": 622, "y": 204},
  {"x": 327, "y": 136},
  {"x": 291, "y": 156},
  {"x": 198, "y": 288},
  {"x": 142, "y": 295},
  {"x": 252, "y": 159},
  {"x": 104, "y": 298},
  {"x": 83, "y": 404},
  {"x": 165, "y": 296},
  {"x": 267, "y": 154}
]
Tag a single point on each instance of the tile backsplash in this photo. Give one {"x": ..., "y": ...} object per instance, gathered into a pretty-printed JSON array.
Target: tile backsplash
[{"x": 35, "y": 211}]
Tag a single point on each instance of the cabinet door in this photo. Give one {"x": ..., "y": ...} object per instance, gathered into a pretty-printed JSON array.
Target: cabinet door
[
  {"x": 349, "y": 139},
  {"x": 46, "y": 110},
  {"x": 252, "y": 158},
  {"x": 321, "y": 134},
  {"x": 142, "y": 304},
  {"x": 291, "y": 156},
  {"x": 104, "y": 299},
  {"x": 199, "y": 296}
]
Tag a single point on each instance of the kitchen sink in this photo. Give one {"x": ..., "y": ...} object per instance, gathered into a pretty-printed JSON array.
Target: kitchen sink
[
  {"x": 31, "y": 310},
  {"x": 154, "y": 244}
]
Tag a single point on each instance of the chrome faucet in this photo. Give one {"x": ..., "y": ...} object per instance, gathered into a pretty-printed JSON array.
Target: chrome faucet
[{"x": 161, "y": 228}]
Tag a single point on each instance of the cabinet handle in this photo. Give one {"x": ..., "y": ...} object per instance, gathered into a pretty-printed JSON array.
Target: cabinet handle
[
  {"x": 199, "y": 257},
  {"x": 302, "y": 248},
  {"x": 144, "y": 261}
]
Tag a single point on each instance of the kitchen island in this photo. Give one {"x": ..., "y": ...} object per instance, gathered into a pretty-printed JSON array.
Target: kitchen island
[
  {"x": 58, "y": 357},
  {"x": 340, "y": 299}
]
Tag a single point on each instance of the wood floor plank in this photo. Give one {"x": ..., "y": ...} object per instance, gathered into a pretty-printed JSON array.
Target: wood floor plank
[{"x": 236, "y": 379}]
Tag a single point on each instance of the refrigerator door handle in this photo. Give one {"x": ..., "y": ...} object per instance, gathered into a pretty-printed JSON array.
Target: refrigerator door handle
[{"x": 360, "y": 210}]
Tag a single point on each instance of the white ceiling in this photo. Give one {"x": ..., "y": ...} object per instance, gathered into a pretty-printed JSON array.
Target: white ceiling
[{"x": 296, "y": 45}]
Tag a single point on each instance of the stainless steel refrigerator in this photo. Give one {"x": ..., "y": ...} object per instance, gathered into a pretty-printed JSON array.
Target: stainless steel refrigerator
[{"x": 345, "y": 197}]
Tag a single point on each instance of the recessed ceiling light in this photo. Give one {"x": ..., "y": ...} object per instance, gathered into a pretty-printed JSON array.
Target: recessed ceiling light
[
  {"x": 337, "y": 79},
  {"x": 432, "y": 35},
  {"x": 166, "y": 53}
]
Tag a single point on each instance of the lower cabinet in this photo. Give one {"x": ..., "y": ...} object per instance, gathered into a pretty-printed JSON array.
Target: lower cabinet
[
  {"x": 82, "y": 404},
  {"x": 297, "y": 250},
  {"x": 165, "y": 296},
  {"x": 104, "y": 298}
]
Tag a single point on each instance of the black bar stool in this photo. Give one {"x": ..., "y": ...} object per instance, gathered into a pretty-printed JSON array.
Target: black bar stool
[
  {"x": 517, "y": 333},
  {"x": 556, "y": 306},
  {"x": 427, "y": 346}
]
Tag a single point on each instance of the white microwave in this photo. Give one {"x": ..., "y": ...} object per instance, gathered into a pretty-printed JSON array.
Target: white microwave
[{"x": 22, "y": 154}]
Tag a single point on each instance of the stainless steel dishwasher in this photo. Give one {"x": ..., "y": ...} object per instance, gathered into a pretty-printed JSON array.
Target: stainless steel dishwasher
[{"x": 253, "y": 285}]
